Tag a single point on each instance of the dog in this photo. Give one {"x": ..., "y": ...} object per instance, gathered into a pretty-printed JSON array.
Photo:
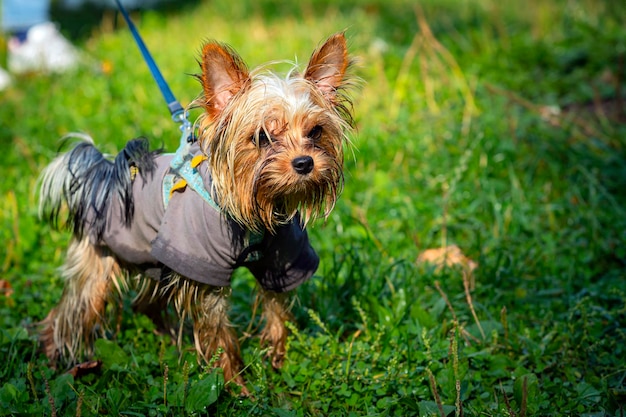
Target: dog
[{"x": 267, "y": 159}]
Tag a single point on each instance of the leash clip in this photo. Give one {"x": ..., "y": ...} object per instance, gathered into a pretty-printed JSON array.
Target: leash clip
[{"x": 186, "y": 127}]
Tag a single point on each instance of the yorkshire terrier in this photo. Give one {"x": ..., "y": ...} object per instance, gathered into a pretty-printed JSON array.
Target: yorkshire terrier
[{"x": 268, "y": 159}]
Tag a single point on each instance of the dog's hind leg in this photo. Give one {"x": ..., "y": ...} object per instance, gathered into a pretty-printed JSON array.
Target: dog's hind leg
[
  {"x": 69, "y": 330},
  {"x": 275, "y": 313}
]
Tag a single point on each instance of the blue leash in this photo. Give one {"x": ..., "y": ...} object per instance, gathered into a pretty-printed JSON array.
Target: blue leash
[
  {"x": 179, "y": 115},
  {"x": 181, "y": 163}
]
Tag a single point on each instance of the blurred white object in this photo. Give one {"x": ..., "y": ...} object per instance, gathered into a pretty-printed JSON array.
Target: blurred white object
[
  {"x": 5, "y": 79},
  {"x": 44, "y": 49}
]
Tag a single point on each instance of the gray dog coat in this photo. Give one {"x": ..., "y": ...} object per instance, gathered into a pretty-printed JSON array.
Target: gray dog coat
[{"x": 197, "y": 240}]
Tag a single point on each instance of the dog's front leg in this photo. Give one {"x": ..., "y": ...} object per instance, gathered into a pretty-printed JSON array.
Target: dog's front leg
[
  {"x": 275, "y": 313},
  {"x": 213, "y": 331}
]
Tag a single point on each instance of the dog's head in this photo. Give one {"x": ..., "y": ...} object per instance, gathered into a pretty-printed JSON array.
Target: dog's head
[{"x": 275, "y": 144}]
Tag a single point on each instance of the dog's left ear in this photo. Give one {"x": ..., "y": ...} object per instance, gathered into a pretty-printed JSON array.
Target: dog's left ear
[
  {"x": 223, "y": 74},
  {"x": 328, "y": 64}
]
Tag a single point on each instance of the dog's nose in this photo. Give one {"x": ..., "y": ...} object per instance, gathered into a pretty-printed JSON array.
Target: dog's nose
[{"x": 302, "y": 164}]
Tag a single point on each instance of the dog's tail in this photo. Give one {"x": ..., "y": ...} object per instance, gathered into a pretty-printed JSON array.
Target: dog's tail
[{"x": 85, "y": 180}]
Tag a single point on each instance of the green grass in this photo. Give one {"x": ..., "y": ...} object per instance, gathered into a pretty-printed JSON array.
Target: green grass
[{"x": 489, "y": 125}]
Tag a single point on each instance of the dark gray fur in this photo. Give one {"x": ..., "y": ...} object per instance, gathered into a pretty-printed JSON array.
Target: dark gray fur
[{"x": 86, "y": 180}]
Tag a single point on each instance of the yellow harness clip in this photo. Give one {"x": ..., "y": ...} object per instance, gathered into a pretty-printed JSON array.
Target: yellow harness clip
[
  {"x": 179, "y": 185},
  {"x": 197, "y": 160},
  {"x": 182, "y": 183}
]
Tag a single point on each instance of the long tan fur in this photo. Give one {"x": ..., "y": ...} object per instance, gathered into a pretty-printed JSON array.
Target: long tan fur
[
  {"x": 69, "y": 329},
  {"x": 207, "y": 307},
  {"x": 276, "y": 311}
]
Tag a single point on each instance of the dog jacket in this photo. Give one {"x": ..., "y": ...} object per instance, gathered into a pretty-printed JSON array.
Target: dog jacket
[{"x": 197, "y": 240}]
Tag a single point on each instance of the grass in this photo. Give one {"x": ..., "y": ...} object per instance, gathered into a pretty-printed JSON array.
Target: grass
[{"x": 487, "y": 125}]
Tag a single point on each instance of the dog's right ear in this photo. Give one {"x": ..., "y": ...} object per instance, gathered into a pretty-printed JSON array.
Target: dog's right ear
[{"x": 223, "y": 74}]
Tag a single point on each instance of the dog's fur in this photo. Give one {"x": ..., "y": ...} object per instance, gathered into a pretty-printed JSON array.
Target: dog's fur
[{"x": 273, "y": 160}]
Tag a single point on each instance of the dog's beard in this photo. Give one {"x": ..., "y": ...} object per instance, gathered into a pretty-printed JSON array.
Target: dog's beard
[{"x": 280, "y": 193}]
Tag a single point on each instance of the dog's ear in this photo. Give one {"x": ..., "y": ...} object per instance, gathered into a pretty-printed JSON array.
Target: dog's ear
[
  {"x": 223, "y": 74},
  {"x": 328, "y": 64}
]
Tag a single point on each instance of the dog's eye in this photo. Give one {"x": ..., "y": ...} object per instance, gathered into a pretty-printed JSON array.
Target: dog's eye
[
  {"x": 315, "y": 133},
  {"x": 262, "y": 138}
]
